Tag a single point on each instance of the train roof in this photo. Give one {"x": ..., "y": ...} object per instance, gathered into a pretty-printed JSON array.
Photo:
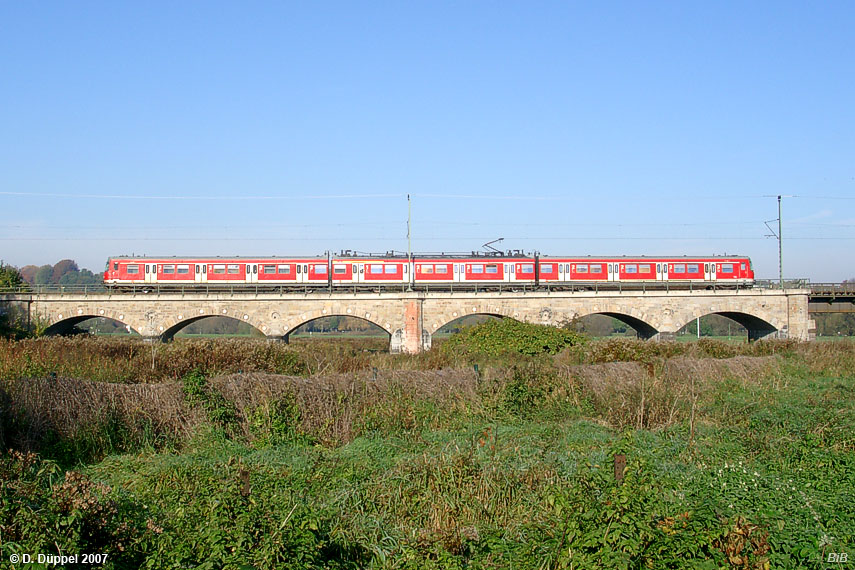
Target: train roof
[
  {"x": 218, "y": 257},
  {"x": 439, "y": 255},
  {"x": 621, "y": 257}
]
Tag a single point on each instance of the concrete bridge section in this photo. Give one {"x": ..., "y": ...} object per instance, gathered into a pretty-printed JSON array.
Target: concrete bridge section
[{"x": 411, "y": 318}]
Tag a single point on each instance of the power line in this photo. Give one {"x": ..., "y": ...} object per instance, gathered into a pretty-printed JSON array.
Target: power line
[
  {"x": 424, "y": 239},
  {"x": 580, "y": 197},
  {"x": 200, "y": 197}
]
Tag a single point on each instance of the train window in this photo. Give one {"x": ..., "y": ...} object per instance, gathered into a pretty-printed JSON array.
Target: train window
[
  {"x": 693, "y": 268},
  {"x": 566, "y": 268},
  {"x": 455, "y": 268},
  {"x": 375, "y": 269},
  {"x": 477, "y": 268},
  {"x": 284, "y": 269},
  {"x": 596, "y": 269},
  {"x": 392, "y": 268},
  {"x": 115, "y": 266},
  {"x": 320, "y": 269},
  {"x": 679, "y": 268},
  {"x": 218, "y": 269},
  {"x": 631, "y": 268},
  {"x": 658, "y": 268},
  {"x": 268, "y": 269},
  {"x": 406, "y": 267},
  {"x": 727, "y": 268},
  {"x": 492, "y": 268},
  {"x": 233, "y": 268},
  {"x": 339, "y": 269},
  {"x": 610, "y": 267},
  {"x": 183, "y": 269},
  {"x": 442, "y": 269},
  {"x": 527, "y": 268},
  {"x": 299, "y": 268},
  {"x": 513, "y": 267},
  {"x": 742, "y": 267},
  {"x": 133, "y": 269},
  {"x": 147, "y": 267},
  {"x": 169, "y": 269},
  {"x": 198, "y": 270},
  {"x": 546, "y": 268},
  {"x": 581, "y": 268},
  {"x": 560, "y": 268},
  {"x": 204, "y": 269},
  {"x": 427, "y": 268},
  {"x": 644, "y": 268}
]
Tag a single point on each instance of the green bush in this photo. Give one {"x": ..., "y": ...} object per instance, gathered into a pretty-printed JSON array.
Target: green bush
[
  {"x": 508, "y": 336},
  {"x": 277, "y": 423},
  {"x": 198, "y": 392},
  {"x": 44, "y": 511}
]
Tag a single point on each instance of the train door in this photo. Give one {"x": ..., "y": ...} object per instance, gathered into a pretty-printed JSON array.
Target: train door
[
  {"x": 359, "y": 273},
  {"x": 613, "y": 271},
  {"x": 252, "y": 273},
  {"x": 197, "y": 270},
  {"x": 709, "y": 271},
  {"x": 150, "y": 272},
  {"x": 661, "y": 271}
]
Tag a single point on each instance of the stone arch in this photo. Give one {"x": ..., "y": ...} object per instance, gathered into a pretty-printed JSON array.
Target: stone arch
[
  {"x": 446, "y": 318},
  {"x": 644, "y": 329},
  {"x": 174, "y": 325},
  {"x": 64, "y": 325},
  {"x": 758, "y": 327},
  {"x": 459, "y": 317},
  {"x": 296, "y": 321},
  {"x": 367, "y": 320}
]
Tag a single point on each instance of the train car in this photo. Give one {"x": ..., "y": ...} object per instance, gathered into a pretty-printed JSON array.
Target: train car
[
  {"x": 215, "y": 271},
  {"x": 366, "y": 271},
  {"x": 427, "y": 271},
  {"x": 647, "y": 270}
]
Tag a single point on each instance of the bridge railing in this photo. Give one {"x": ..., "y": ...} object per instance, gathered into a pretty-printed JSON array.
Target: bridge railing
[
  {"x": 251, "y": 289},
  {"x": 54, "y": 289},
  {"x": 791, "y": 283},
  {"x": 832, "y": 289}
]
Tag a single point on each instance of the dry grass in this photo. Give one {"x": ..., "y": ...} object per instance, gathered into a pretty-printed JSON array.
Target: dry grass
[
  {"x": 630, "y": 394},
  {"x": 335, "y": 408},
  {"x": 68, "y": 407}
]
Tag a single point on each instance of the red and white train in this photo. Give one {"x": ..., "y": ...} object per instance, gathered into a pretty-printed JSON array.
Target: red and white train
[{"x": 431, "y": 271}]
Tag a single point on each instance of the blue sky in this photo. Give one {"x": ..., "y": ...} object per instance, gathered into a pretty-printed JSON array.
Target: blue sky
[{"x": 256, "y": 128}]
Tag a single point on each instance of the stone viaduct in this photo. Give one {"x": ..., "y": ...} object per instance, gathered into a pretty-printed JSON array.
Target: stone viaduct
[{"x": 411, "y": 318}]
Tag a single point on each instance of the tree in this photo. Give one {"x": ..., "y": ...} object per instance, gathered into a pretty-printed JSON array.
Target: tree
[
  {"x": 10, "y": 277},
  {"x": 63, "y": 268},
  {"x": 65, "y": 272},
  {"x": 28, "y": 272},
  {"x": 43, "y": 275}
]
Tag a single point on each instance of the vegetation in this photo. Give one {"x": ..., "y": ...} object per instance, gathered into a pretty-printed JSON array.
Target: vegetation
[
  {"x": 738, "y": 456},
  {"x": 508, "y": 336},
  {"x": 11, "y": 323},
  {"x": 10, "y": 277},
  {"x": 65, "y": 272}
]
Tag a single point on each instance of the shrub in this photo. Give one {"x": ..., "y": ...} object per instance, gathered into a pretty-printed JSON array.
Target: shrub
[
  {"x": 508, "y": 336},
  {"x": 198, "y": 392},
  {"x": 43, "y": 511}
]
